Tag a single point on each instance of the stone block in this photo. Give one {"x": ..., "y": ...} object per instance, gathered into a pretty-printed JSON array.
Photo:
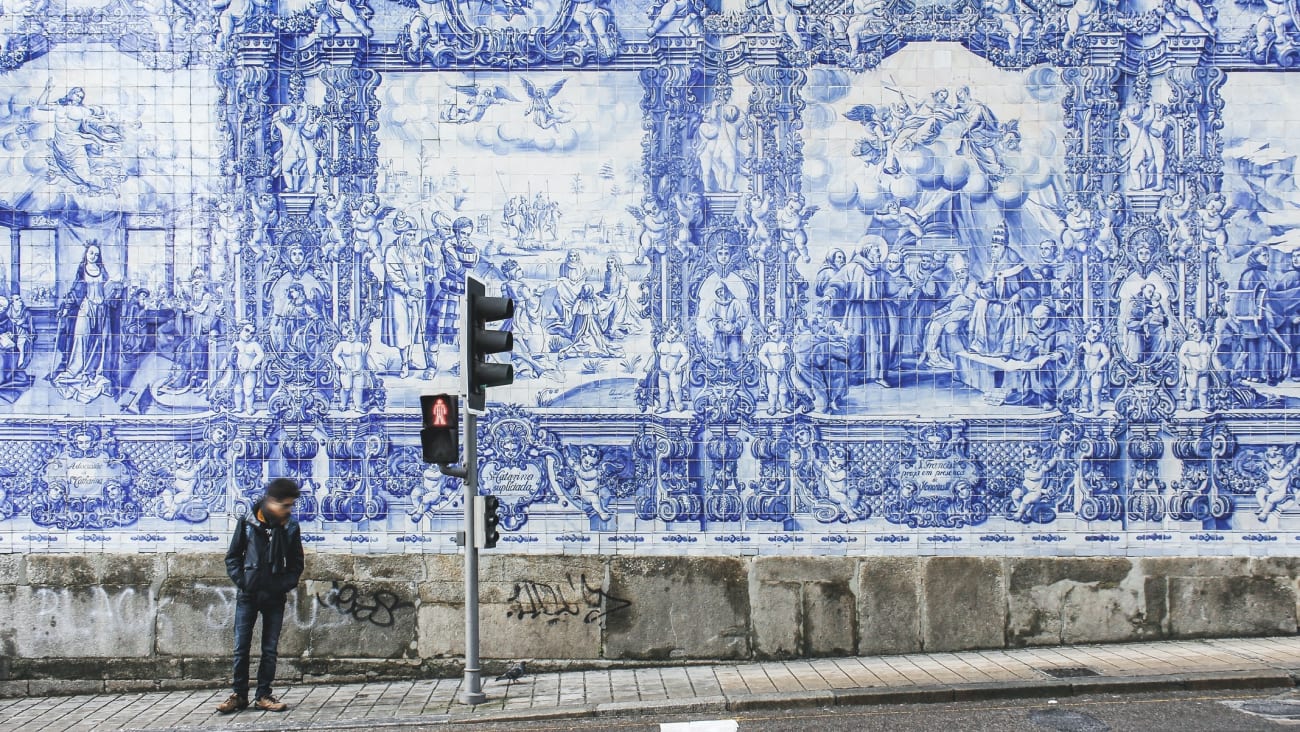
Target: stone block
[
  {"x": 804, "y": 569},
  {"x": 101, "y": 621},
  {"x": 196, "y": 619},
  {"x": 964, "y": 604},
  {"x": 543, "y": 606},
  {"x": 829, "y": 618},
  {"x": 11, "y": 570},
  {"x": 395, "y": 567},
  {"x": 1196, "y": 566},
  {"x": 328, "y": 567},
  {"x": 676, "y": 607},
  {"x": 889, "y": 605},
  {"x": 442, "y": 631},
  {"x": 1204, "y": 606},
  {"x": 802, "y": 606},
  {"x": 777, "y": 618},
  {"x": 140, "y": 570},
  {"x": 63, "y": 570},
  {"x": 183, "y": 567},
  {"x": 357, "y": 619},
  {"x": 1069, "y": 600}
]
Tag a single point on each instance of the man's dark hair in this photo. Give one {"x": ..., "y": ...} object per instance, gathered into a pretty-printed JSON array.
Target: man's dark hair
[{"x": 282, "y": 489}]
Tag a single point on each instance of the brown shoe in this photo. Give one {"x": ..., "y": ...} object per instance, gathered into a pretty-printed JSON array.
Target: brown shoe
[
  {"x": 270, "y": 704},
  {"x": 233, "y": 704}
]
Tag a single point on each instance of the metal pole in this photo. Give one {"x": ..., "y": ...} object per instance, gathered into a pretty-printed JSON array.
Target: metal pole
[{"x": 472, "y": 689}]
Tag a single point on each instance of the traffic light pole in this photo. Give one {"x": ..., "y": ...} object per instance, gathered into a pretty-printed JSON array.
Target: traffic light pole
[
  {"x": 472, "y": 692},
  {"x": 472, "y": 688}
]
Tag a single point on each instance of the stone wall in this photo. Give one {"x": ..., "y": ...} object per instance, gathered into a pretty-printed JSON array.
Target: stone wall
[{"x": 115, "y": 622}]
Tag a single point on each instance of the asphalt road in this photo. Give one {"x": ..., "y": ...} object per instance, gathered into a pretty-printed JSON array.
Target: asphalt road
[{"x": 1226, "y": 711}]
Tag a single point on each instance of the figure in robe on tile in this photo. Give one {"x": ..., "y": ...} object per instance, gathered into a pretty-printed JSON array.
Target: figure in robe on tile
[
  {"x": 1005, "y": 293},
  {"x": 822, "y": 362},
  {"x": 1051, "y": 349},
  {"x": 860, "y": 285},
  {"x": 84, "y": 375},
  {"x": 192, "y": 358},
  {"x": 617, "y": 294},
  {"x": 404, "y": 313},
  {"x": 459, "y": 256}
]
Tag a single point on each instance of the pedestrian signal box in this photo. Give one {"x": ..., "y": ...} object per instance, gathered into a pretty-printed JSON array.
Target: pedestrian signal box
[{"x": 440, "y": 435}]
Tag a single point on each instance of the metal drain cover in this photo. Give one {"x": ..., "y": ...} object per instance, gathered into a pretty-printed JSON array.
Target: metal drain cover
[{"x": 1069, "y": 672}]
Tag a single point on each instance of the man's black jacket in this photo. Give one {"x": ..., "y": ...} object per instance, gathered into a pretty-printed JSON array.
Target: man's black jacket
[{"x": 249, "y": 559}]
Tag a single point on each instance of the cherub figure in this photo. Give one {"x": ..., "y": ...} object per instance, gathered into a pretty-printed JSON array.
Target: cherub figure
[
  {"x": 776, "y": 358},
  {"x": 1096, "y": 356},
  {"x": 835, "y": 477},
  {"x": 433, "y": 490},
  {"x": 428, "y": 25},
  {"x": 1278, "y": 471},
  {"x": 338, "y": 222},
  {"x": 586, "y": 480},
  {"x": 688, "y": 199},
  {"x": 905, "y": 219},
  {"x": 1033, "y": 485},
  {"x": 262, "y": 207},
  {"x": 790, "y": 219},
  {"x": 686, "y": 12},
  {"x": 1214, "y": 231},
  {"x": 754, "y": 208},
  {"x": 673, "y": 360},
  {"x": 1078, "y": 226},
  {"x": 247, "y": 357},
  {"x": 185, "y": 475},
  {"x": 366, "y": 236},
  {"x": 653, "y": 239},
  {"x": 1195, "y": 357},
  {"x": 349, "y": 357}
]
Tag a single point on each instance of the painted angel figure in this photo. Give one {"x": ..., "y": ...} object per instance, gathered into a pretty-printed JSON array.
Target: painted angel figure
[
  {"x": 1277, "y": 26},
  {"x": 342, "y": 18},
  {"x": 540, "y": 108},
  {"x": 596, "y": 23},
  {"x": 653, "y": 239},
  {"x": 338, "y": 224},
  {"x": 687, "y": 13},
  {"x": 429, "y": 25},
  {"x": 790, "y": 219},
  {"x": 479, "y": 99},
  {"x": 366, "y": 219},
  {"x": 265, "y": 215},
  {"x": 753, "y": 212},
  {"x": 1018, "y": 19},
  {"x": 1278, "y": 469},
  {"x": 1078, "y": 227}
]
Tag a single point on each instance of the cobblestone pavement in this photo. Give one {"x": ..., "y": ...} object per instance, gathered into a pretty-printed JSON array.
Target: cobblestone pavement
[{"x": 1028, "y": 672}]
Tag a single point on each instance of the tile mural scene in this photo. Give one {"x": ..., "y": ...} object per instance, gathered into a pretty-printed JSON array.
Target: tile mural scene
[{"x": 791, "y": 276}]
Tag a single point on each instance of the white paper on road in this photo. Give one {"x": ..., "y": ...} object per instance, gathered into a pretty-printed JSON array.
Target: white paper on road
[{"x": 715, "y": 725}]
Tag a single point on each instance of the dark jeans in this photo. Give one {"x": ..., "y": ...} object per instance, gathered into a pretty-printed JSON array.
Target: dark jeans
[{"x": 247, "y": 607}]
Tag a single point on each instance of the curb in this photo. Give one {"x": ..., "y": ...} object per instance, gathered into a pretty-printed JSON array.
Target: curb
[{"x": 933, "y": 694}]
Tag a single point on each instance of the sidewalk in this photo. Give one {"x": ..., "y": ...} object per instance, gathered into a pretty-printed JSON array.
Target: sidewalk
[{"x": 1032, "y": 672}]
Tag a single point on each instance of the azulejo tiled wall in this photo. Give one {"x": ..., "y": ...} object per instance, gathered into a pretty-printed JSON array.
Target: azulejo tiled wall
[{"x": 813, "y": 277}]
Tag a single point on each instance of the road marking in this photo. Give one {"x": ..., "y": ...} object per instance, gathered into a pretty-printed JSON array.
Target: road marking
[{"x": 713, "y": 725}]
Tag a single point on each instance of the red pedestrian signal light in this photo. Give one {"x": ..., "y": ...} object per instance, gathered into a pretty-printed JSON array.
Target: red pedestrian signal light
[{"x": 440, "y": 437}]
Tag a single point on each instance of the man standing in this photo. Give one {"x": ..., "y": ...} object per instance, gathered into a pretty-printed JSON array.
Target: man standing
[{"x": 265, "y": 561}]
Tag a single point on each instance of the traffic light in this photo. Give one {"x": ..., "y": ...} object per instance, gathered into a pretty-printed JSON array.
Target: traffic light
[
  {"x": 440, "y": 437},
  {"x": 486, "y": 520},
  {"x": 479, "y": 373}
]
